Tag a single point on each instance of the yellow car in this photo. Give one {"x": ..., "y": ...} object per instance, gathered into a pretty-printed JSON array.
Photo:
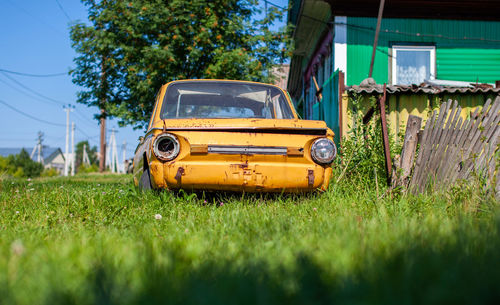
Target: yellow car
[{"x": 234, "y": 136}]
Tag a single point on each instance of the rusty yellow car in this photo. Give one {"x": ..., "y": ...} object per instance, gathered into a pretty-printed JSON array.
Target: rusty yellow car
[{"x": 233, "y": 136}]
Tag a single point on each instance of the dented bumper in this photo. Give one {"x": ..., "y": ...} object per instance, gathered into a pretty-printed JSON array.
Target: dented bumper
[{"x": 240, "y": 175}]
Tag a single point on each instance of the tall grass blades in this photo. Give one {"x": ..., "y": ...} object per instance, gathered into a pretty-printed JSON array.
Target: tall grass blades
[{"x": 94, "y": 239}]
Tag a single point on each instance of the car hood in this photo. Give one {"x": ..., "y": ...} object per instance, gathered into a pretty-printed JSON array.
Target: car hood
[{"x": 294, "y": 126}]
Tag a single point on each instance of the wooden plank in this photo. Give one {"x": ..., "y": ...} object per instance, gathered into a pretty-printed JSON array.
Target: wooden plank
[
  {"x": 487, "y": 139},
  {"x": 450, "y": 118},
  {"x": 408, "y": 151},
  {"x": 447, "y": 146},
  {"x": 431, "y": 146},
  {"x": 497, "y": 187},
  {"x": 447, "y": 138},
  {"x": 472, "y": 124},
  {"x": 423, "y": 142},
  {"x": 474, "y": 153},
  {"x": 483, "y": 161},
  {"x": 422, "y": 156},
  {"x": 485, "y": 120},
  {"x": 453, "y": 149},
  {"x": 451, "y": 159},
  {"x": 483, "y": 131}
]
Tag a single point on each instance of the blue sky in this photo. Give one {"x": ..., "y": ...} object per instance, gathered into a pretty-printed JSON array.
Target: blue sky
[{"x": 35, "y": 40}]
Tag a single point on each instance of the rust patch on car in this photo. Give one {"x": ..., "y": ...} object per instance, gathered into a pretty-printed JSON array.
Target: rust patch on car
[
  {"x": 154, "y": 169},
  {"x": 310, "y": 177},
  {"x": 240, "y": 165},
  {"x": 180, "y": 173}
]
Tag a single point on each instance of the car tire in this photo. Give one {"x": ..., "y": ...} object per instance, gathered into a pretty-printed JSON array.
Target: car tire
[{"x": 145, "y": 181}]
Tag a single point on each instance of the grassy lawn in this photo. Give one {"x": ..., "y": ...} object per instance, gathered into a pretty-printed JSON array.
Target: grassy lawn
[{"x": 96, "y": 240}]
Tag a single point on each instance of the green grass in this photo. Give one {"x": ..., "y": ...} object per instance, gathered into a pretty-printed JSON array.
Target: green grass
[{"x": 95, "y": 240}]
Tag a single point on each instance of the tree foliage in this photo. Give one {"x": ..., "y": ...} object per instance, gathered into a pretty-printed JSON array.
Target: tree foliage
[
  {"x": 128, "y": 49},
  {"x": 20, "y": 165},
  {"x": 91, "y": 153}
]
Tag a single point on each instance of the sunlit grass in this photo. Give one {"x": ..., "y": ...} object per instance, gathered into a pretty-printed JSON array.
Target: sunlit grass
[{"x": 96, "y": 239}]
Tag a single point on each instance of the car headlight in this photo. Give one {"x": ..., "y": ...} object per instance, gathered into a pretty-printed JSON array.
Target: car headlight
[
  {"x": 166, "y": 146},
  {"x": 323, "y": 151}
]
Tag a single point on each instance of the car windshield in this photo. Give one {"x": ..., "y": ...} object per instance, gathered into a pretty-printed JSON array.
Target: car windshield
[{"x": 219, "y": 99}]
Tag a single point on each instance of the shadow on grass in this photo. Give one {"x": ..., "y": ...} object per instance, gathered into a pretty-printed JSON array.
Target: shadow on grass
[
  {"x": 211, "y": 198},
  {"x": 459, "y": 274}
]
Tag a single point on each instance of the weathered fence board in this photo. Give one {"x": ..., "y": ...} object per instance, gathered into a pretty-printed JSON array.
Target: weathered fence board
[
  {"x": 403, "y": 165},
  {"x": 453, "y": 149}
]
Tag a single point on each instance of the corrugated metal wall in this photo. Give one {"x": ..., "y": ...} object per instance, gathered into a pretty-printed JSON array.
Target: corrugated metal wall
[
  {"x": 465, "y": 50},
  {"x": 400, "y": 106},
  {"x": 328, "y": 109}
]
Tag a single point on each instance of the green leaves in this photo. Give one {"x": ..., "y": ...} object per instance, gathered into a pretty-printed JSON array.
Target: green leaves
[
  {"x": 20, "y": 165},
  {"x": 130, "y": 48}
]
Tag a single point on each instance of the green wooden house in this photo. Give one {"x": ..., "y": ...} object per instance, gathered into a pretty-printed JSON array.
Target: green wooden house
[{"x": 444, "y": 44}]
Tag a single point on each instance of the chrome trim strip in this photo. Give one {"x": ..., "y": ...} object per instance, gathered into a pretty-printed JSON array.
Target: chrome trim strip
[{"x": 247, "y": 150}]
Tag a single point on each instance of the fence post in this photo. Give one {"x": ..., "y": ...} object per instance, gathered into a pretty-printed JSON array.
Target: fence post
[
  {"x": 403, "y": 170},
  {"x": 385, "y": 136}
]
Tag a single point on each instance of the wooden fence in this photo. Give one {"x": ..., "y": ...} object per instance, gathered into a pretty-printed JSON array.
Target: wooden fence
[{"x": 451, "y": 148}]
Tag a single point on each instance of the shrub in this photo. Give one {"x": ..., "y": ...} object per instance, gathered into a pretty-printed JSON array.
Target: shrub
[
  {"x": 84, "y": 169},
  {"x": 361, "y": 156},
  {"x": 20, "y": 165},
  {"x": 50, "y": 172}
]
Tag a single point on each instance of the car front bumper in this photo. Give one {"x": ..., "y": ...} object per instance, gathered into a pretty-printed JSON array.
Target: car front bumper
[{"x": 238, "y": 175}]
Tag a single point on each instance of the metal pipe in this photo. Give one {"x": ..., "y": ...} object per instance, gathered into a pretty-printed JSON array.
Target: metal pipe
[
  {"x": 385, "y": 135},
  {"x": 377, "y": 31}
]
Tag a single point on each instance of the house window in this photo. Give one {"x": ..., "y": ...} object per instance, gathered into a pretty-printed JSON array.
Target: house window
[{"x": 413, "y": 64}]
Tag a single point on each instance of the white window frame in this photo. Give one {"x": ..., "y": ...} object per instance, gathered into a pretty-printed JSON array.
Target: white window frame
[{"x": 408, "y": 47}]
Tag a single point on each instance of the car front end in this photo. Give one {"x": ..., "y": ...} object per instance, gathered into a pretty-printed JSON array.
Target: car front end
[{"x": 251, "y": 154}]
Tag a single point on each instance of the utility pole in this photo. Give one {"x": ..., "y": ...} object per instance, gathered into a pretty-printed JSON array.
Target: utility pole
[
  {"x": 114, "y": 153},
  {"x": 38, "y": 147},
  {"x": 68, "y": 109},
  {"x": 72, "y": 148},
  {"x": 83, "y": 153},
  {"x": 124, "y": 147},
  {"x": 40, "y": 154},
  {"x": 109, "y": 144},
  {"x": 85, "y": 156}
]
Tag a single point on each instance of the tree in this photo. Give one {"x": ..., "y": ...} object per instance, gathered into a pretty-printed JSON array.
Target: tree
[
  {"x": 130, "y": 48},
  {"x": 30, "y": 167},
  {"x": 91, "y": 152},
  {"x": 20, "y": 165}
]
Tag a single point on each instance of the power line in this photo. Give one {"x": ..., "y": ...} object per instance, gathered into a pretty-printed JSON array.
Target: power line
[
  {"x": 32, "y": 91},
  {"x": 33, "y": 75},
  {"x": 25, "y": 93},
  {"x": 275, "y": 5},
  {"x": 20, "y": 91},
  {"x": 14, "y": 140},
  {"x": 84, "y": 133},
  {"x": 89, "y": 121},
  {"x": 80, "y": 115},
  {"x": 398, "y": 32},
  {"x": 59, "y": 103},
  {"x": 36, "y": 17},
  {"x": 30, "y": 116},
  {"x": 62, "y": 9}
]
